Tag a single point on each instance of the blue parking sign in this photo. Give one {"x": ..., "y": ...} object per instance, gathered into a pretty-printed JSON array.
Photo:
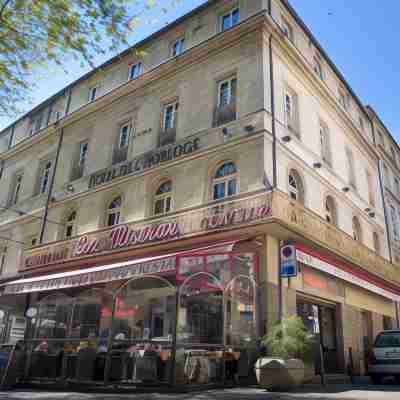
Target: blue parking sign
[{"x": 288, "y": 262}]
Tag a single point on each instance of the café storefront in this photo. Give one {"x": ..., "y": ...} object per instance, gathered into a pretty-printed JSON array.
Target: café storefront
[{"x": 187, "y": 317}]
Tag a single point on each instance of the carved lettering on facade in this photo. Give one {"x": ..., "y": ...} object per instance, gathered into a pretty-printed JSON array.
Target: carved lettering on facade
[
  {"x": 144, "y": 162},
  {"x": 235, "y": 216}
]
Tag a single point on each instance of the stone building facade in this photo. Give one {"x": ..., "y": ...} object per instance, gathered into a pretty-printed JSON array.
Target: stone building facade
[
  {"x": 389, "y": 153},
  {"x": 230, "y": 125}
]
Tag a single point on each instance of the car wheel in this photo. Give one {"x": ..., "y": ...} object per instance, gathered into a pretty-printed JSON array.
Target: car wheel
[{"x": 376, "y": 379}]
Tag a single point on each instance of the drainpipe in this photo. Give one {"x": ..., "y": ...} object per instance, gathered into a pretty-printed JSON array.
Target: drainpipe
[
  {"x": 50, "y": 192},
  {"x": 273, "y": 122},
  {"x": 274, "y": 162}
]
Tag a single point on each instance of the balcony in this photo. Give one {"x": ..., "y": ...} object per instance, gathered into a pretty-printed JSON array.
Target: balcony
[
  {"x": 77, "y": 172},
  {"x": 120, "y": 155},
  {"x": 224, "y": 114},
  {"x": 167, "y": 137}
]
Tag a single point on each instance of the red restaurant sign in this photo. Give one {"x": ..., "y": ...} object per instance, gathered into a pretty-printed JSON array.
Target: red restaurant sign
[{"x": 215, "y": 218}]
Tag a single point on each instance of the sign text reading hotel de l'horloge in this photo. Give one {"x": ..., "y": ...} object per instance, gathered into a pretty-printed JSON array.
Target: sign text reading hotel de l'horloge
[
  {"x": 135, "y": 234},
  {"x": 144, "y": 162}
]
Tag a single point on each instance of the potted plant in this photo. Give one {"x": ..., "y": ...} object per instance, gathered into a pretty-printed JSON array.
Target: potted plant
[{"x": 289, "y": 349}]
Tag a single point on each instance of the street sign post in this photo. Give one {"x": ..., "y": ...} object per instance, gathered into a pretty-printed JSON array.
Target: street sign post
[{"x": 288, "y": 262}]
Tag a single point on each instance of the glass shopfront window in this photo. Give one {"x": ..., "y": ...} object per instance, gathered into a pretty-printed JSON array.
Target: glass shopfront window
[
  {"x": 197, "y": 325},
  {"x": 91, "y": 317},
  {"x": 54, "y": 315}
]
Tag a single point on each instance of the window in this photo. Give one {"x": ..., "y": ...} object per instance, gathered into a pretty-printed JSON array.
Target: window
[
  {"x": 386, "y": 176},
  {"x": 78, "y": 166},
  {"x": 135, "y": 70},
  {"x": 92, "y": 93},
  {"x": 395, "y": 228},
  {"x": 350, "y": 168},
  {"x": 287, "y": 29},
  {"x": 45, "y": 177},
  {"x": 291, "y": 111},
  {"x": 226, "y": 102},
  {"x": 325, "y": 143},
  {"x": 163, "y": 199},
  {"x": 170, "y": 116},
  {"x": 114, "y": 211},
  {"x": 16, "y": 188},
  {"x": 124, "y": 132},
  {"x": 83, "y": 150},
  {"x": 371, "y": 188},
  {"x": 120, "y": 152},
  {"x": 361, "y": 123},
  {"x": 377, "y": 243},
  {"x": 330, "y": 210},
  {"x": 225, "y": 181},
  {"x": 70, "y": 225},
  {"x": 231, "y": 19},
  {"x": 356, "y": 229},
  {"x": 381, "y": 139},
  {"x": 393, "y": 154},
  {"x": 227, "y": 92},
  {"x": 318, "y": 67},
  {"x": 35, "y": 123},
  {"x": 178, "y": 47},
  {"x": 3, "y": 258},
  {"x": 343, "y": 98},
  {"x": 397, "y": 184},
  {"x": 296, "y": 188}
]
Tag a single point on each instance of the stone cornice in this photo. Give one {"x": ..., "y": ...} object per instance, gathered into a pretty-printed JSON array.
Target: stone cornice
[
  {"x": 312, "y": 227},
  {"x": 283, "y": 211}
]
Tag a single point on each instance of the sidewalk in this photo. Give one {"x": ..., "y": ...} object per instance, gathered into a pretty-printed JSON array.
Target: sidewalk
[{"x": 342, "y": 392}]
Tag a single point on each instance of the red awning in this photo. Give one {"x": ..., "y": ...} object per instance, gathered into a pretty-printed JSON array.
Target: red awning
[{"x": 160, "y": 265}]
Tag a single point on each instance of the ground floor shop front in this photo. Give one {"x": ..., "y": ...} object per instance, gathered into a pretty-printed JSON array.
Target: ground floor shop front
[
  {"x": 184, "y": 318},
  {"x": 195, "y": 315}
]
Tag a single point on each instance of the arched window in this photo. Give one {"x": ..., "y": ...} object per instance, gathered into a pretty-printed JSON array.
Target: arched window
[
  {"x": 70, "y": 225},
  {"x": 377, "y": 243},
  {"x": 163, "y": 198},
  {"x": 357, "y": 234},
  {"x": 114, "y": 211},
  {"x": 225, "y": 181},
  {"x": 330, "y": 210},
  {"x": 296, "y": 188}
]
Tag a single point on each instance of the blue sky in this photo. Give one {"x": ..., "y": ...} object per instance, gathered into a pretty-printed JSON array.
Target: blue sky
[{"x": 361, "y": 37}]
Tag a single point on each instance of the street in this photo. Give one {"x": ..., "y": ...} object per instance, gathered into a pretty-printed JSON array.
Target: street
[{"x": 346, "y": 392}]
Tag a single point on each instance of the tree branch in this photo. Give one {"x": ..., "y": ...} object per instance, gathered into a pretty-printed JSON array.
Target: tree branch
[{"x": 3, "y": 7}]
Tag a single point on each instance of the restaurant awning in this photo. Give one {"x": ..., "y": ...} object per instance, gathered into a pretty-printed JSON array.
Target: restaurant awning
[{"x": 163, "y": 265}]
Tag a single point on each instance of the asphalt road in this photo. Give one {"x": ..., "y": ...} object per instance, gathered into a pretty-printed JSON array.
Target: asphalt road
[{"x": 344, "y": 392}]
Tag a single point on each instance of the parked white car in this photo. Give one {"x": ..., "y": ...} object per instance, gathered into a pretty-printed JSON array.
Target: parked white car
[{"x": 384, "y": 358}]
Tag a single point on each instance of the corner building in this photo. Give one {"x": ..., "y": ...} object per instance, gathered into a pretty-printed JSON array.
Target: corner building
[{"x": 145, "y": 206}]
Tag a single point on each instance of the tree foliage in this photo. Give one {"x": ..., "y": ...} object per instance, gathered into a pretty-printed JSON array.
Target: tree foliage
[{"x": 34, "y": 33}]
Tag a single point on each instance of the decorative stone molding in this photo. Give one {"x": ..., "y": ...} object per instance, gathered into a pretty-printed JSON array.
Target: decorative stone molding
[{"x": 313, "y": 227}]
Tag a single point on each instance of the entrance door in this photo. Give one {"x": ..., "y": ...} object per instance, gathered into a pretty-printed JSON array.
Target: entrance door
[
  {"x": 367, "y": 334},
  {"x": 328, "y": 338},
  {"x": 320, "y": 320}
]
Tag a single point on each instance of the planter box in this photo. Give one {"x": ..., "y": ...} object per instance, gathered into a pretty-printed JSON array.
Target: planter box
[{"x": 276, "y": 373}]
